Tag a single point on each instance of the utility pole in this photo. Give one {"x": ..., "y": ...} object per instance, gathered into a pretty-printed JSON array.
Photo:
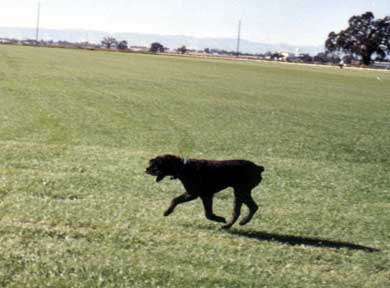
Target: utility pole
[
  {"x": 38, "y": 16},
  {"x": 238, "y": 39}
]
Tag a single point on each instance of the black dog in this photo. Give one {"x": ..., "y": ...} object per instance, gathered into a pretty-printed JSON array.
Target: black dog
[{"x": 204, "y": 178}]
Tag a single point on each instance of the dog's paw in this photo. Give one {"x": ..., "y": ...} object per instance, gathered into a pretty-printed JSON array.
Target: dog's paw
[
  {"x": 221, "y": 220},
  {"x": 244, "y": 222},
  {"x": 168, "y": 212},
  {"x": 226, "y": 226}
]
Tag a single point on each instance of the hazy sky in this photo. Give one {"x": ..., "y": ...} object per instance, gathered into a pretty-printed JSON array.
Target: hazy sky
[{"x": 301, "y": 22}]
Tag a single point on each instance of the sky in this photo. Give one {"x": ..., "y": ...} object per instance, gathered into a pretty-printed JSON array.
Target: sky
[{"x": 297, "y": 22}]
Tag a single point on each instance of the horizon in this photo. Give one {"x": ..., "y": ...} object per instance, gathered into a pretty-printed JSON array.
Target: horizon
[
  {"x": 152, "y": 34},
  {"x": 288, "y": 22}
]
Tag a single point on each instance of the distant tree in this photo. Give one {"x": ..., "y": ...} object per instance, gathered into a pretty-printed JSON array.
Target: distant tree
[
  {"x": 321, "y": 58},
  {"x": 364, "y": 37},
  {"x": 326, "y": 57},
  {"x": 156, "y": 47},
  {"x": 109, "y": 42},
  {"x": 207, "y": 50},
  {"x": 276, "y": 56},
  {"x": 122, "y": 45},
  {"x": 306, "y": 58},
  {"x": 182, "y": 49},
  {"x": 268, "y": 54}
]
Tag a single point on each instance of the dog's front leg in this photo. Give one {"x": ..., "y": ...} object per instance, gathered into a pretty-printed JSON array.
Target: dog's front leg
[{"x": 185, "y": 197}]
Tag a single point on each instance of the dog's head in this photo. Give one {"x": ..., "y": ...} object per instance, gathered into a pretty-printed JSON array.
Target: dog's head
[{"x": 165, "y": 165}]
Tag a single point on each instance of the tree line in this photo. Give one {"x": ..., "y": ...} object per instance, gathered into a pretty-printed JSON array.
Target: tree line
[
  {"x": 111, "y": 42},
  {"x": 365, "y": 39}
]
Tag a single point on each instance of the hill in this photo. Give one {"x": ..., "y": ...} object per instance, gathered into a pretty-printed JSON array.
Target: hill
[{"x": 171, "y": 41}]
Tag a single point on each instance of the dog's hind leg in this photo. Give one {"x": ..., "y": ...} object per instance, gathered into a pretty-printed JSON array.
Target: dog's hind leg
[
  {"x": 248, "y": 200},
  {"x": 208, "y": 209},
  {"x": 236, "y": 211},
  {"x": 178, "y": 200}
]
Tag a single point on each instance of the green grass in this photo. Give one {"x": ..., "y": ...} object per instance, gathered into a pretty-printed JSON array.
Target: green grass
[{"x": 78, "y": 127}]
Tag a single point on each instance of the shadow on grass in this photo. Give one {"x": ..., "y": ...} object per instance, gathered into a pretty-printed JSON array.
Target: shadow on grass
[{"x": 297, "y": 240}]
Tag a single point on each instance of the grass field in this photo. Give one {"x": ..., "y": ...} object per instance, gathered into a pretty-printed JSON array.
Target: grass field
[{"x": 78, "y": 127}]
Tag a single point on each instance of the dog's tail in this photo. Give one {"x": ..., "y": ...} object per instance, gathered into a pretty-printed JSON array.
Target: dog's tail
[{"x": 256, "y": 176}]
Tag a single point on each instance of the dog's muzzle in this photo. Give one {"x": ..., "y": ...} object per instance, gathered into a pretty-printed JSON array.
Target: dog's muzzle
[
  {"x": 154, "y": 172},
  {"x": 151, "y": 171}
]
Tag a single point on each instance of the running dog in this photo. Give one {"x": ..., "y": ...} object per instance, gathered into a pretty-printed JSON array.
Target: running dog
[{"x": 204, "y": 178}]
